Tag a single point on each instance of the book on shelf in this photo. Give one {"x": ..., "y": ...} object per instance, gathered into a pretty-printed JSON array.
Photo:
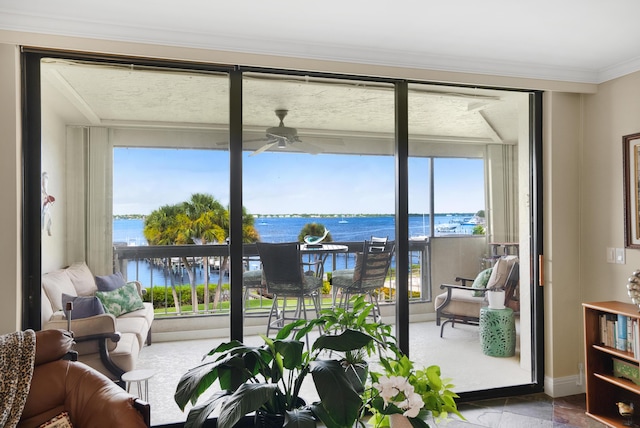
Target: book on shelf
[{"x": 620, "y": 332}]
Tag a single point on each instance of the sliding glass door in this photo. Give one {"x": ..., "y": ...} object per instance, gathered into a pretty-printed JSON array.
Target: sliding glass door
[{"x": 149, "y": 165}]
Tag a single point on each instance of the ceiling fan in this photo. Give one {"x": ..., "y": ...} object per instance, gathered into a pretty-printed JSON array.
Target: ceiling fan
[{"x": 282, "y": 136}]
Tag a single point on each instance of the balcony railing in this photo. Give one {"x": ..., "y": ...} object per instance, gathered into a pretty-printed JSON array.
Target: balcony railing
[{"x": 171, "y": 273}]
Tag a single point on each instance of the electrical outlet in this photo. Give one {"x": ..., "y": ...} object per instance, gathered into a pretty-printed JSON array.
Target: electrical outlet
[
  {"x": 620, "y": 256},
  {"x": 611, "y": 255}
]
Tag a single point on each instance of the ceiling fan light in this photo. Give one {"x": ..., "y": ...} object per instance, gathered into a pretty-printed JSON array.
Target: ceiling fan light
[{"x": 282, "y": 144}]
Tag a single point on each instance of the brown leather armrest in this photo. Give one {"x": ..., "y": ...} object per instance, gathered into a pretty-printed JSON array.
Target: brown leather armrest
[{"x": 52, "y": 345}]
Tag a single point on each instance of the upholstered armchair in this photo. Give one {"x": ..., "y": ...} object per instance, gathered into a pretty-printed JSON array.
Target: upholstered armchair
[
  {"x": 88, "y": 397},
  {"x": 461, "y": 303}
]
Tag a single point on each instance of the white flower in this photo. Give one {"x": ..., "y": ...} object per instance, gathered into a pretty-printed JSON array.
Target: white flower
[{"x": 390, "y": 387}]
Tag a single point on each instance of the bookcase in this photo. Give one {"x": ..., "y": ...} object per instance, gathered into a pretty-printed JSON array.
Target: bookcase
[{"x": 604, "y": 389}]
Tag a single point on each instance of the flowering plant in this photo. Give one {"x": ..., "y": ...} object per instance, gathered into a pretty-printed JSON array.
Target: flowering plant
[{"x": 416, "y": 394}]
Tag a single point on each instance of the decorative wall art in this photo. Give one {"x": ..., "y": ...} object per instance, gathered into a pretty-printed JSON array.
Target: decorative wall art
[{"x": 47, "y": 201}]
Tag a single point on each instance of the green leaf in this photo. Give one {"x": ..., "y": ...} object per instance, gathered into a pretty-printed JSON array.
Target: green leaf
[
  {"x": 348, "y": 340},
  {"x": 247, "y": 398},
  {"x": 291, "y": 352},
  {"x": 198, "y": 414},
  {"x": 337, "y": 394},
  {"x": 299, "y": 418}
]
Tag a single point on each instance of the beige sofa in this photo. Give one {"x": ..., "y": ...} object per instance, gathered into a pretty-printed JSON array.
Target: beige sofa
[{"x": 105, "y": 342}]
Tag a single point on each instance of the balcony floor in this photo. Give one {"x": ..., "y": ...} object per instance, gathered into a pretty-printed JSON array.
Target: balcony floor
[{"x": 458, "y": 354}]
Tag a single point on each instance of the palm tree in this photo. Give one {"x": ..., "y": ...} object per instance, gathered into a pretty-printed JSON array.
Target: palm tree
[
  {"x": 161, "y": 228},
  {"x": 200, "y": 220}
]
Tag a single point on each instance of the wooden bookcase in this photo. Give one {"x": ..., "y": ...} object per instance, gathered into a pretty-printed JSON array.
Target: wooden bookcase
[{"x": 603, "y": 389}]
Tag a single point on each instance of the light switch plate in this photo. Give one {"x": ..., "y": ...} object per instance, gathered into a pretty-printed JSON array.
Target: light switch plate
[
  {"x": 611, "y": 255},
  {"x": 620, "y": 256}
]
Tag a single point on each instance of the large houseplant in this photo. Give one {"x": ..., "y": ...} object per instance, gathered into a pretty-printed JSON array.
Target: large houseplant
[
  {"x": 334, "y": 321},
  {"x": 268, "y": 378}
]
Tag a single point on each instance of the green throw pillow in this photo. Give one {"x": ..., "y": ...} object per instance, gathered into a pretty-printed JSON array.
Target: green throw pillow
[
  {"x": 121, "y": 300},
  {"x": 481, "y": 281}
]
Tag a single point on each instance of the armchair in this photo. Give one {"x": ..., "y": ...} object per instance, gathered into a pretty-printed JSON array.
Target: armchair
[
  {"x": 462, "y": 302},
  {"x": 90, "y": 398}
]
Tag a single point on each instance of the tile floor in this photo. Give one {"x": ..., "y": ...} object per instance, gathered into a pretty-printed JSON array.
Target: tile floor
[{"x": 535, "y": 410}]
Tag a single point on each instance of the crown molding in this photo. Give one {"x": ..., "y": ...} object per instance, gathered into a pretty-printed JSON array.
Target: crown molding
[{"x": 62, "y": 26}]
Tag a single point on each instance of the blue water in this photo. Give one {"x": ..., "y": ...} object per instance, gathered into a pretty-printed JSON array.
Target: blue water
[{"x": 286, "y": 229}]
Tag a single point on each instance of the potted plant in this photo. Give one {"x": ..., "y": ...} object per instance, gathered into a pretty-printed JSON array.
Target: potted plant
[
  {"x": 355, "y": 317},
  {"x": 268, "y": 378},
  {"x": 405, "y": 396}
]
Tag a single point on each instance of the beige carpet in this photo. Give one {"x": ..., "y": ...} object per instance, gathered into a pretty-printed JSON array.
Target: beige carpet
[{"x": 458, "y": 354}]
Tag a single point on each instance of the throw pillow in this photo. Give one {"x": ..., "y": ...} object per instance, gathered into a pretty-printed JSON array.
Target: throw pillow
[
  {"x": 83, "y": 306},
  {"x": 121, "y": 300},
  {"x": 481, "y": 282},
  {"x": 110, "y": 282},
  {"x": 501, "y": 271},
  {"x": 60, "y": 421}
]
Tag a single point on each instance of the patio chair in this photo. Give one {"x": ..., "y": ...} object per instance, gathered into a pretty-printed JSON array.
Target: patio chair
[
  {"x": 284, "y": 277},
  {"x": 368, "y": 275},
  {"x": 253, "y": 287},
  {"x": 462, "y": 302}
]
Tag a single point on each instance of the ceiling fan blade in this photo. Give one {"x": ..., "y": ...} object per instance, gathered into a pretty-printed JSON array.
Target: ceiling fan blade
[
  {"x": 308, "y": 147},
  {"x": 263, "y": 148}
]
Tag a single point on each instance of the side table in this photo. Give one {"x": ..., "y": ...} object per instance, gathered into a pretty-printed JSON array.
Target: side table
[
  {"x": 497, "y": 332},
  {"x": 139, "y": 377}
]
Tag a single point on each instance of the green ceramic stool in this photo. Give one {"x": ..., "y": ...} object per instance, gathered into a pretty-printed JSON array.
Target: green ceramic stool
[{"x": 497, "y": 332}]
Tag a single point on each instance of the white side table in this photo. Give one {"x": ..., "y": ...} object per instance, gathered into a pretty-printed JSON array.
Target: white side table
[{"x": 139, "y": 377}]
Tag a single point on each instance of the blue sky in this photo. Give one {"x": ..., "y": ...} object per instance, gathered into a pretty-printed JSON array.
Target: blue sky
[{"x": 286, "y": 183}]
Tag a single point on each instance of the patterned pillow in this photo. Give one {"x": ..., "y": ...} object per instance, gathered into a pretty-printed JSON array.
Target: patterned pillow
[
  {"x": 121, "y": 300},
  {"x": 83, "y": 306},
  {"x": 60, "y": 421},
  {"x": 481, "y": 281}
]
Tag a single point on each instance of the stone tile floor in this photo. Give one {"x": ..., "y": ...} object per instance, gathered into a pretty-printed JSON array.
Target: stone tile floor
[{"x": 535, "y": 410}]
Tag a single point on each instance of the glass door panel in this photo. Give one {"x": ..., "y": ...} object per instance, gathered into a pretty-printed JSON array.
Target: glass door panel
[
  {"x": 467, "y": 178},
  {"x": 137, "y": 183}
]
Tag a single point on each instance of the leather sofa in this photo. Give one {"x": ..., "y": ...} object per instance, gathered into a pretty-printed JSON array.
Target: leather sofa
[
  {"x": 110, "y": 344},
  {"x": 89, "y": 398}
]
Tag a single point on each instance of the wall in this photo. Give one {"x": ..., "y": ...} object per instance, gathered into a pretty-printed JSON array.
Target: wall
[
  {"x": 10, "y": 260},
  {"x": 53, "y": 162},
  {"x": 602, "y": 228}
]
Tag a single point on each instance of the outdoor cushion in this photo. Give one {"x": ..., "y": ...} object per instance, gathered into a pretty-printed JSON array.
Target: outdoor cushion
[
  {"x": 83, "y": 306},
  {"x": 481, "y": 281},
  {"x": 501, "y": 271},
  {"x": 110, "y": 282},
  {"x": 121, "y": 300}
]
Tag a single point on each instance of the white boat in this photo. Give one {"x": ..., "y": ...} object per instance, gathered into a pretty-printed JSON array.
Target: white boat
[
  {"x": 446, "y": 227},
  {"x": 343, "y": 221}
]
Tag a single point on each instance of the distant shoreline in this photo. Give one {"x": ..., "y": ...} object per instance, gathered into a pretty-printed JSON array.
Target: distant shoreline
[{"x": 142, "y": 216}]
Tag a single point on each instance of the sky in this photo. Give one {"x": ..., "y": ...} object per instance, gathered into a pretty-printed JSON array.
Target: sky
[{"x": 287, "y": 183}]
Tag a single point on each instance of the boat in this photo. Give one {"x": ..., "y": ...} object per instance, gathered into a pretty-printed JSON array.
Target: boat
[
  {"x": 446, "y": 227},
  {"x": 472, "y": 221},
  {"x": 343, "y": 221}
]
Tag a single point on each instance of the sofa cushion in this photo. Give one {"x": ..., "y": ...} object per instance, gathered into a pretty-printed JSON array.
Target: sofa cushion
[
  {"x": 55, "y": 283},
  {"x": 83, "y": 306},
  {"x": 481, "y": 281},
  {"x": 82, "y": 279},
  {"x": 147, "y": 313},
  {"x": 122, "y": 300},
  {"x": 110, "y": 282}
]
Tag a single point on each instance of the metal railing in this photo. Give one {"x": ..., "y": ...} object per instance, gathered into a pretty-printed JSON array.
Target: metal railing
[{"x": 172, "y": 273}]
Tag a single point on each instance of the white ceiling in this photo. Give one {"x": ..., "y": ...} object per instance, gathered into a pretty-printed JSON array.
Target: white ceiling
[{"x": 588, "y": 41}]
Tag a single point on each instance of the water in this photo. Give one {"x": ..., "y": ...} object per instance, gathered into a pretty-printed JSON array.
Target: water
[{"x": 286, "y": 229}]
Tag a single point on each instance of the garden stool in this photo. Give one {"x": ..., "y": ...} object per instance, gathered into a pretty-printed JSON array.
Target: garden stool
[
  {"x": 139, "y": 377},
  {"x": 497, "y": 332}
]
